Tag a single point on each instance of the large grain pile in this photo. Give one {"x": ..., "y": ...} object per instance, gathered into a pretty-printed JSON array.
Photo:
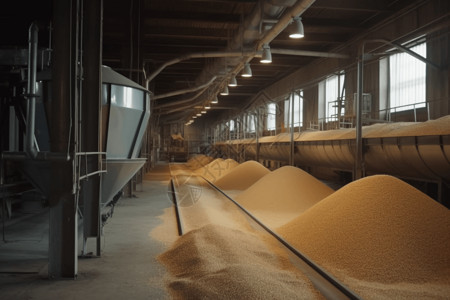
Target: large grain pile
[
  {"x": 282, "y": 195},
  {"x": 216, "y": 262},
  {"x": 216, "y": 168},
  {"x": 242, "y": 176},
  {"x": 377, "y": 229}
]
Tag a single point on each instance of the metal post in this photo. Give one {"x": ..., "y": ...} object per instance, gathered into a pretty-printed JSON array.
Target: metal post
[
  {"x": 32, "y": 68},
  {"x": 63, "y": 231},
  {"x": 291, "y": 157},
  {"x": 257, "y": 135},
  {"x": 358, "y": 171},
  {"x": 90, "y": 131}
]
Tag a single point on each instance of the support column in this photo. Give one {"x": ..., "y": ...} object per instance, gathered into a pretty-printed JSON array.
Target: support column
[
  {"x": 291, "y": 156},
  {"x": 90, "y": 123},
  {"x": 359, "y": 160},
  {"x": 63, "y": 207}
]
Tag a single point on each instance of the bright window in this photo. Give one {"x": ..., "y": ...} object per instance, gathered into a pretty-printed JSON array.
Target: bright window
[
  {"x": 298, "y": 110},
  {"x": 271, "y": 116},
  {"x": 251, "y": 123},
  {"x": 407, "y": 80},
  {"x": 231, "y": 125},
  {"x": 334, "y": 86},
  {"x": 330, "y": 92}
]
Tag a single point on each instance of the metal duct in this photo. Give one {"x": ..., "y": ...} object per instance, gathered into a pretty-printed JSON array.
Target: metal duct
[
  {"x": 308, "y": 53},
  {"x": 285, "y": 20},
  {"x": 194, "y": 55},
  {"x": 185, "y": 91},
  {"x": 177, "y": 103},
  {"x": 247, "y": 36}
]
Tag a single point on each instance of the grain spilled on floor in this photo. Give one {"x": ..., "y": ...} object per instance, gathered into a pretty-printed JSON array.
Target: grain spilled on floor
[
  {"x": 216, "y": 262},
  {"x": 167, "y": 231}
]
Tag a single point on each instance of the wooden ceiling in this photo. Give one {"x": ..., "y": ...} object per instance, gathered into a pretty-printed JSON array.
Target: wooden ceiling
[{"x": 142, "y": 35}]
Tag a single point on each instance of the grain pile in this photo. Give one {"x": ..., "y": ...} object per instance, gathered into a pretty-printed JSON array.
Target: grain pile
[
  {"x": 198, "y": 161},
  {"x": 377, "y": 229},
  {"x": 242, "y": 176},
  {"x": 282, "y": 195},
  {"x": 216, "y": 262},
  {"x": 216, "y": 168}
]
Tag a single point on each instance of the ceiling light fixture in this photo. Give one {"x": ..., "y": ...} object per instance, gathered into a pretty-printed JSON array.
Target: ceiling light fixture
[
  {"x": 296, "y": 29},
  {"x": 247, "y": 72},
  {"x": 215, "y": 100},
  {"x": 266, "y": 57},
  {"x": 225, "y": 91},
  {"x": 203, "y": 111},
  {"x": 207, "y": 107},
  {"x": 233, "y": 81},
  {"x": 199, "y": 114}
]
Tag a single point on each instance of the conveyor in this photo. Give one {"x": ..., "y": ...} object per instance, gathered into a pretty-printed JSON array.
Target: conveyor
[{"x": 421, "y": 155}]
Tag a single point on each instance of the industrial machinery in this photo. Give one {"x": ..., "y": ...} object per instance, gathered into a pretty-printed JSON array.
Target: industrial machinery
[{"x": 125, "y": 111}]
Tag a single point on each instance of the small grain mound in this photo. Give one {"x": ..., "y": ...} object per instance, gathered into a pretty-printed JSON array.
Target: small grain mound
[
  {"x": 282, "y": 195},
  {"x": 198, "y": 161},
  {"x": 216, "y": 262},
  {"x": 377, "y": 229},
  {"x": 242, "y": 176},
  {"x": 216, "y": 168}
]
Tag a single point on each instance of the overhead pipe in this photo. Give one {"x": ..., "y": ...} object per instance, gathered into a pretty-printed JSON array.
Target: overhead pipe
[
  {"x": 194, "y": 55},
  {"x": 296, "y": 10},
  {"x": 308, "y": 53},
  {"x": 241, "y": 39},
  {"x": 250, "y": 33},
  {"x": 166, "y": 105},
  {"x": 185, "y": 91}
]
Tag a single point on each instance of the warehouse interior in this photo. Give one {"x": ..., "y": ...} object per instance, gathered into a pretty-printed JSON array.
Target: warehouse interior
[{"x": 247, "y": 149}]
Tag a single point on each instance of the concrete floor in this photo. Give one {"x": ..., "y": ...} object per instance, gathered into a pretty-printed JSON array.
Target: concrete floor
[{"x": 127, "y": 268}]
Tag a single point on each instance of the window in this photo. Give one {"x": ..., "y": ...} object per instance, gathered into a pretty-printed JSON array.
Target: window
[
  {"x": 330, "y": 95},
  {"x": 298, "y": 110},
  {"x": 251, "y": 123},
  {"x": 271, "y": 116},
  {"x": 407, "y": 80},
  {"x": 230, "y": 125}
]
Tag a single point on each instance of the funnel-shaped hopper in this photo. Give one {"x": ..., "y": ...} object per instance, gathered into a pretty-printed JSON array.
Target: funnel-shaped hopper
[
  {"x": 125, "y": 114},
  {"x": 120, "y": 171}
]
